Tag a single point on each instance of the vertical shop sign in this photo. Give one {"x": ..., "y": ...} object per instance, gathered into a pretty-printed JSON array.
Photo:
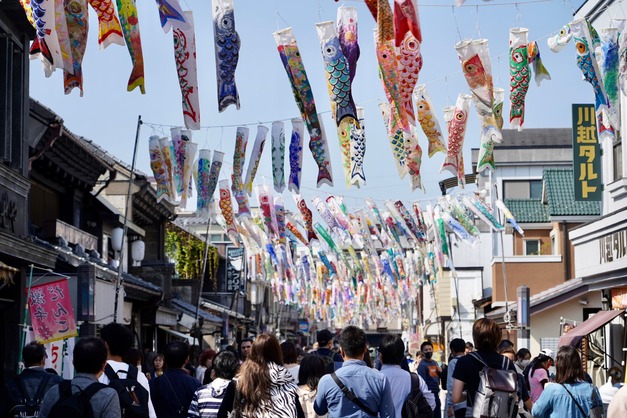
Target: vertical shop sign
[
  {"x": 51, "y": 312},
  {"x": 586, "y": 154}
]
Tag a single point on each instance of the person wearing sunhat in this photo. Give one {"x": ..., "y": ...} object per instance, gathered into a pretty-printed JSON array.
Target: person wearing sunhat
[{"x": 332, "y": 361}]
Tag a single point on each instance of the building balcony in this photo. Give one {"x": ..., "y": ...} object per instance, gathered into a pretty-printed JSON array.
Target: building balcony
[{"x": 73, "y": 235}]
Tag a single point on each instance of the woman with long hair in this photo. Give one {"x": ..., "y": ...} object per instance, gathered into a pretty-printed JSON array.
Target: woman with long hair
[
  {"x": 290, "y": 358},
  {"x": 263, "y": 387},
  {"x": 312, "y": 368},
  {"x": 571, "y": 396}
]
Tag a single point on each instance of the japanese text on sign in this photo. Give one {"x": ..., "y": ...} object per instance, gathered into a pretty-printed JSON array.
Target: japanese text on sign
[
  {"x": 586, "y": 154},
  {"x": 51, "y": 312}
]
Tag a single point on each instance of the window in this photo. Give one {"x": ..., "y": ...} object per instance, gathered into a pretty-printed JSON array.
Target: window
[
  {"x": 618, "y": 161},
  {"x": 522, "y": 189},
  {"x": 217, "y": 237},
  {"x": 532, "y": 247}
]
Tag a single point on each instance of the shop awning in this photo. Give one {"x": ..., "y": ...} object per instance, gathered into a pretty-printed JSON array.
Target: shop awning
[
  {"x": 185, "y": 337},
  {"x": 588, "y": 326}
]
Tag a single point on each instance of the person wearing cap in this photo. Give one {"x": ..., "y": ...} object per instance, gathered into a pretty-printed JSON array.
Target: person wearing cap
[{"x": 332, "y": 361}]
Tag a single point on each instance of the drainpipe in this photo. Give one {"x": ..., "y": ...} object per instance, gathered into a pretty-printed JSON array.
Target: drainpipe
[{"x": 566, "y": 252}]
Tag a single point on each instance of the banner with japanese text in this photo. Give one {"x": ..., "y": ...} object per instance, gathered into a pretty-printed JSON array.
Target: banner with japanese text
[
  {"x": 586, "y": 155},
  {"x": 51, "y": 312}
]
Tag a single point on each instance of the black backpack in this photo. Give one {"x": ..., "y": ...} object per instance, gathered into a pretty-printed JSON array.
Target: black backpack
[
  {"x": 27, "y": 407},
  {"x": 74, "y": 405},
  {"x": 133, "y": 396},
  {"x": 416, "y": 405}
]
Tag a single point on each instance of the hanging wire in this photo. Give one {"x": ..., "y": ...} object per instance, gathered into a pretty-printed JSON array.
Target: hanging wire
[{"x": 459, "y": 34}]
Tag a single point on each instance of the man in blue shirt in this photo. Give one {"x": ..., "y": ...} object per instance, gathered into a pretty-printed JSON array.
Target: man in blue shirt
[
  {"x": 430, "y": 371},
  {"x": 368, "y": 385},
  {"x": 173, "y": 390}
]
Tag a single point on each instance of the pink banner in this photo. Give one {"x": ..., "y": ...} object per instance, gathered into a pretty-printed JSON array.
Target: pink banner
[{"x": 51, "y": 312}]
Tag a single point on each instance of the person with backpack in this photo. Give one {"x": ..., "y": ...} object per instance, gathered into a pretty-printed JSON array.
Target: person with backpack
[
  {"x": 83, "y": 396},
  {"x": 458, "y": 350},
  {"x": 570, "y": 396},
  {"x": 430, "y": 371},
  {"x": 402, "y": 383},
  {"x": 174, "y": 389},
  {"x": 131, "y": 385},
  {"x": 355, "y": 390},
  {"x": 332, "y": 361},
  {"x": 472, "y": 371},
  {"x": 207, "y": 399},
  {"x": 23, "y": 394}
]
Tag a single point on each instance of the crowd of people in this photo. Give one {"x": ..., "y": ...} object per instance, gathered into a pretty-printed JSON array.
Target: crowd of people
[{"x": 338, "y": 378}]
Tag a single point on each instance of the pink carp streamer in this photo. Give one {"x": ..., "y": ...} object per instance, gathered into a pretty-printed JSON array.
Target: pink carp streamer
[
  {"x": 457, "y": 119},
  {"x": 303, "y": 95},
  {"x": 185, "y": 58},
  {"x": 129, "y": 20},
  {"x": 109, "y": 29},
  {"x": 255, "y": 158}
]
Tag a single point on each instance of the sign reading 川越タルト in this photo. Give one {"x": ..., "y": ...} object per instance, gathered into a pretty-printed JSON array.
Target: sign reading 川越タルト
[{"x": 586, "y": 154}]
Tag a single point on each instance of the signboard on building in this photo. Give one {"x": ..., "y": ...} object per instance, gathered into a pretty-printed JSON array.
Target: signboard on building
[
  {"x": 235, "y": 278},
  {"x": 51, "y": 312},
  {"x": 586, "y": 154}
]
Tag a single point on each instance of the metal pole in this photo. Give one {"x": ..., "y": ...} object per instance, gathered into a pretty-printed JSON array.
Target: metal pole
[
  {"x": 25, "y": 325},
  {"x": 118, "y": 282},
  {"x": 202, "y": 282}
]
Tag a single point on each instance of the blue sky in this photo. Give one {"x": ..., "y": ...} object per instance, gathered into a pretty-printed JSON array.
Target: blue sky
[{"x": 107, "y": 113}]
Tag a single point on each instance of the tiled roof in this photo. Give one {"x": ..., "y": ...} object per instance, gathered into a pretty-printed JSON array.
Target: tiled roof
[
  {"x": 528, "y": 210},
  {"x": 560, "y": 195},
  {"x": 536, "y": 138},
  {"x": 190, "y": 309}
]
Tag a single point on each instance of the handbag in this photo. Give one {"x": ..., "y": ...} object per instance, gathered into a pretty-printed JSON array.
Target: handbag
[{"x": 595, "y": 412}]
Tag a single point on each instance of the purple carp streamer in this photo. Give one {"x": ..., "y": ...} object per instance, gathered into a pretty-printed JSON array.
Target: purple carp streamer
[
  {"x": 610, "y": 73},
  {"x": 303, "y": 95},
  {"x": 129, "y": 20},
  {"x": 338, "y": 75},
  {"x": 428, "y": 120},
  {"x": 172, "y": 16},
  {"x": 109, "y": 29},
  {"x": 278, "y": 155},
  {"x": 457, "y": 119},
  {"x": 185, "y": 58},
  {"x": 255, "y": 158},
  {"x": 77, "y": 26},
  {"x": 347, "y": 34},
  {"x": 227, "y": 45},
  {"x": 296, "y": 155}
]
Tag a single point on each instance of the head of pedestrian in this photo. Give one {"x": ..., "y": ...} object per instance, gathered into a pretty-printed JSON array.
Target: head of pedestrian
[
  {"x": 225, "y": 365},
  {"x": 325, "y": 338},
  {"x": 176, "y": 354},
  {"x": 457, "y": 346},
  {"x": 469, "y": 347},
  {"x": 312, "y": 368},
  {"x": 508, "y": 352},
  {"x": 427, "y": 349},
  {"x": 568, "y": 366},
  {"x": 391, "y": 350},
  {"x": 523, "y": 357},
  {"x": 245, "y": 347},
  {"x": 486, "y": 334},
  {"x": 34, "y": 355},
  {"x": 90, "y": 356},
  {"x": 352, "y": 343},
  {"x": 118, "y": 338}
]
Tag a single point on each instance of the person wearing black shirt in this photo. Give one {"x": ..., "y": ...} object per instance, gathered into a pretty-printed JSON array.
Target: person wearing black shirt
[{"x": 486, "y": 335}]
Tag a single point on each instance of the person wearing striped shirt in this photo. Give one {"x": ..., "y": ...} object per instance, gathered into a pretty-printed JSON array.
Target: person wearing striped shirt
[{"x": 207, "y": 399}]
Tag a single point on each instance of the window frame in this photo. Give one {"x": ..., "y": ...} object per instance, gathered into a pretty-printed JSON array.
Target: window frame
[{"x": 537, "y": 240}]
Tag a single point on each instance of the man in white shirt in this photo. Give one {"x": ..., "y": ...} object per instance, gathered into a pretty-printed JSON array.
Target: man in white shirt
[
  {"x": 119, "y": 340},
  {"x": 391, "y": 354}
]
